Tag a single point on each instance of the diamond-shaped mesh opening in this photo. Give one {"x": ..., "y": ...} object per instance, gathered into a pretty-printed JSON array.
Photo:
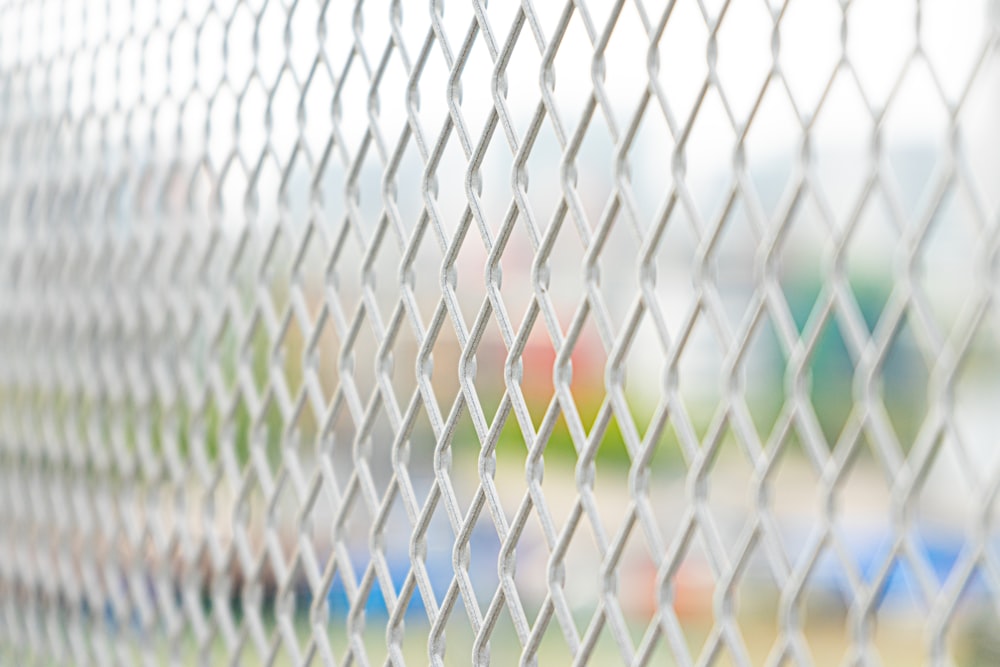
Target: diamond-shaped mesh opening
[
  {"x": 905, "y": 375},
  {"x": 474, "y": 110},
  {"x": 824, "y": 610},
  {"x": 349, "y": 109},
  {"x": 562, "y": 275},
  {"x": 916, "y": 144},
  {"x": 440, "y": 366},
  {"x": 404, "y": 186},
  {"x": 650, "y": 187},
  {"x": 382, "y": 280},
  {"x": 744, "y": 55},
  {"x": 952, "y": 52},
  {"x": 590, "y": 188},
  {"x": 707, "y": 153},
  {"x": 357, "y": 363},
  {"x": 463, "y": 460},
  {"x": 582, "y": 552},
  {"x": 449, "y": 204},
  {"x": 281, "y": 115},
  {"x": 388, "y": 100},
  {"x": 329, "y": 183},
  {"x": 948, "y": 253},
  {"x": 841, "y": 134},
  {"x": 566, "y": 89},
  {"x": 688, "y": 589},
  {"x": 979, "y": 140},
  {"x": 617, "y": 287},
  {"x": 364, "y": 193},
  {"x": 674, "y": 283},
  {"x": 453, "y": 640},
  {"x": 426, "y": 101},
  {"x": 773, "y": 139},
  {"x": 757, "y": 605},
  {"x": 698, "y": 376},
  {"x": 796, "y": 497},
  {"x": 644, "y": 373},
  {"x": 252, "y": 114},
  {"x": 764, "y": 367},
  {"x": 727, "y": 486},
  {"x": 879, "y": 44},
  {"x": 973, "y": 420},
  {"x": 831, "y": 370},
  {"x": 491, "y": 187},
  {"x": 625, "y": 51},
  {"x": 584, "y": 370},
  {"x": 297, "y": 191},
  {"x": 733, "y": 265},
  {"x": 635, "y": 593},
  {"x": 338, "y": 443},
  {"x": 810, "y": 45},
  {"x": 680, "y": 64},
  {"x": 800, "y": 258}
]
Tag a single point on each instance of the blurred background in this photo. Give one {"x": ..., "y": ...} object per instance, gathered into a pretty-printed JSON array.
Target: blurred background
[{"x": 713, "y": 282}]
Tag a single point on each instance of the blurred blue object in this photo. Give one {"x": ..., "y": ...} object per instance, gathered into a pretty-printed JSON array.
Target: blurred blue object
[
  {"x": 482, "y": 571},
  {"x": 900, "y": 590}
]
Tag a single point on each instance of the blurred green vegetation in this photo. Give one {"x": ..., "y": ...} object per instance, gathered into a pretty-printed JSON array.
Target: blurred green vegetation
[{"x": 831, "y": 368}]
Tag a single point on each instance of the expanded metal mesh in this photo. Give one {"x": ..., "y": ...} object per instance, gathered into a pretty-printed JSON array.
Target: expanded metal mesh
[{"x": 299, "y": 300}]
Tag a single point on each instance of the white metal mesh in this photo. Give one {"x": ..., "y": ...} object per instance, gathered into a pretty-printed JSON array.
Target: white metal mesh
[{"x": 299, "y": 299}]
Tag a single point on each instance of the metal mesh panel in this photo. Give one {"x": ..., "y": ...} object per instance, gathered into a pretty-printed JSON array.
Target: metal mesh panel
[{"x": 602, "y": 332}]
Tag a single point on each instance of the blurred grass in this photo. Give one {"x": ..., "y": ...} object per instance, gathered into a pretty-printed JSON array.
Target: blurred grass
[
  {"x": 826, "y": 641},
  {"x": 973, "y": 642}
]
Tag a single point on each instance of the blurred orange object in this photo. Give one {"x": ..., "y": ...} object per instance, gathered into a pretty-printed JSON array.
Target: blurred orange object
[{"x": 692, "y": 589}]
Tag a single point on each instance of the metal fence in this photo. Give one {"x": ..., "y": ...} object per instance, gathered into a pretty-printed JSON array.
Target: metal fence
[{"x": 635, "y": 331}]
